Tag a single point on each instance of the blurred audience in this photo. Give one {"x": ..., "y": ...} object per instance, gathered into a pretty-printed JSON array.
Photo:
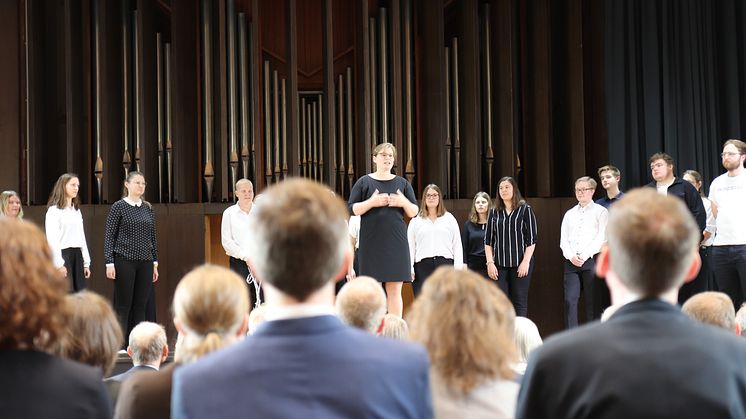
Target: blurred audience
[
  {"x": 395, "y": 327},
  {"x": 361, "y": 303},
  {"x": 527, "y": 338},
  {"x": 466, "y": 324},
  {"x": 714, "y": 308},
  {"x": 147, "y": 348},
  {"x": 257, "y": 317}
]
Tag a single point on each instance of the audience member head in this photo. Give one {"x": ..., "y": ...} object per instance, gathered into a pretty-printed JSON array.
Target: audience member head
[
  {"x": 147, "y": 344},
  {"x": 508, "y": 194},
  {"x": 257, "y": 317},
  {"x": 211, "y": 310},
  {"x": 395, "y": 327},
  {"x": 527, "y": 338},
  {"x": 734, "y": 154},
  {"x": 652, "y": 245},
  {"x": 93, "y": 335},
  {"x": 32, "y": 295},
  {"x": 741, "y": 319},
  {"x": 10, "y": 204},
  {"x": 361, "y": 303},
  {"x": 432, "y": 199},
  {"x": 299, "y": 242},
  {"x": 714, "y": 308},
  {"x": 480, "y": 206},
  {"x": 466, "y": 324},
  {"x": 66, "y": 188}
]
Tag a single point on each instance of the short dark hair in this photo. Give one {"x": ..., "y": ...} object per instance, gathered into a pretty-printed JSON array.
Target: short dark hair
[
  {"x": 661, "y": 156},
  {"x": 299, "y": 237}
]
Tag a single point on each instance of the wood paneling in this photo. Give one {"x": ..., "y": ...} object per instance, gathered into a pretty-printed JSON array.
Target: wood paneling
[{"x": 10, "y": 101}]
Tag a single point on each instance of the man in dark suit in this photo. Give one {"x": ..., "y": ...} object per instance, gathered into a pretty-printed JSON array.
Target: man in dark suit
[
  {"x": 147, "y": 349},
  {"x": 648, "y": 360},
  {"x": 303, "y": 362}
]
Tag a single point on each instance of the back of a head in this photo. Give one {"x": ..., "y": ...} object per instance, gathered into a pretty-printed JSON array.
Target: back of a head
[
  {"x": 711, "y": 307},
  {"x": 395, "y": 327},
  {"x": 652, "y": 239},
  {"x": 741, "y": 319},
  {"x": 299, "y": 237},
  {"x": 466, "y": 324},
  {"x": 361, "y": 303},
  {"x": 211, "y": 303},
  {"x": 527, "y": 337},
  {"x": 147, "y": 341},
  {"x": 32, "y": 293},
  {"x": 93, "y": 335}
]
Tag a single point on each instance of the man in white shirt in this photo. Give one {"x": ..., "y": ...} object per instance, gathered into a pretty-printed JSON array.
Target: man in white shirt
[
  {"x": 235, "y": 232},
  {"x": 728, "y": 197},
  {"x": 582, "y": 234}
]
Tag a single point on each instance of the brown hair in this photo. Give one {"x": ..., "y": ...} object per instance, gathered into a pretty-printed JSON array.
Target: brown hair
[
  {"x": 211, "y": 302},
  {"x": 697, "y": 178},
  {"x": 711, "y": 307},
  {"x": 473, "y": 216},
  {"x": 5, "y": 201},
  {"x": 93, "y": 335},
  {"x": 32, "y": 293},
  {"x": 517, "y": 197},
  {"x": 466, "y": 324},
  {"x": 440, "y": 210},
  {"x": 661, "y": 156},
  {"x": 58, "y": 196},
  {"x": 651, "y": 239},
  {"x": 740, "y": 145},
  {"x": 609, "y": 168},
  {"x": 299, "y": 237},
  {"x": 131, "y": 175}
]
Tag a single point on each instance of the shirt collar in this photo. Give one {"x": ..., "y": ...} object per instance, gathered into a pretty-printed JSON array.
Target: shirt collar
[
  {"x": 131, "y": 202},
  {"x": 297, "y": 311}
]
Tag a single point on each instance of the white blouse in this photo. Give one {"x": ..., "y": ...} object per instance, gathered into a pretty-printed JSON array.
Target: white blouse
[
  {"x": 64, "y": 228},
  {"x": 441, "y": 237}
]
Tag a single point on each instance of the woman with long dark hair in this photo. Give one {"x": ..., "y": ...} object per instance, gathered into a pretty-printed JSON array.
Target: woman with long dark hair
[
  {"x": 65, "y": 233},
  {"x": 509, "y": 244},
  {"x": 473, "y": 233},
  {"x": 131, "y": 252}
]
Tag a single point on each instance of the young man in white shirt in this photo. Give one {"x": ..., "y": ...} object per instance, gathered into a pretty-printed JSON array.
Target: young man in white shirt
[
  {"x": 728, "y": 197},
  {"x": 582, "y": 234}
]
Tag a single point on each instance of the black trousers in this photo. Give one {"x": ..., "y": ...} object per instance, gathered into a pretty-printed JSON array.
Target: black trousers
[
  {"x": 239, "y": 266},
  {"x": 699, "y": 284},
  {"x": 73, "y": 258},
  {"x": 579, "y": 279},
  {"x": 424, "y": 268},
  {"x": 515, "y": 288},
  {"x": 729, "y": 266},
  {"x": 132, "y": 288},
  {"x": 478, "y": 265}
]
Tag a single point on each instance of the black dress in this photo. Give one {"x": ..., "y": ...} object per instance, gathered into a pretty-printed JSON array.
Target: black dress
[
  {"x": 384, "y": 250},
  {"x": 472, "y": 239}
]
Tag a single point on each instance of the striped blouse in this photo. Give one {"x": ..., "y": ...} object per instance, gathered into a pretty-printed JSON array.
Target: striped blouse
[{"x": 510, "y": 234}]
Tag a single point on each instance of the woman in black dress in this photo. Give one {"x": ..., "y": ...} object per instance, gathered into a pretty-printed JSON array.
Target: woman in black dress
[
  {"x": 381, "y": 199},
  {"x": 472, "y": 236}
]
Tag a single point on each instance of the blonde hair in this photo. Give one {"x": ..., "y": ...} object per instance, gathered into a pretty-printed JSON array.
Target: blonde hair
[
  {"x": 5, "y": 201},
  {"x": 466, "y": 324},
  {"x": 527, "y": 337},
  {"x": 711, "y": 307},
  {"x": 395, "y": 327},
  {"x": 473, "y": 216},
  {"x": 211, "y": 303}
]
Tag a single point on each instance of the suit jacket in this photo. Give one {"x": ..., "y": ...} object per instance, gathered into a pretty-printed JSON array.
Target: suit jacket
[
  {"x": 648, "y": 361},
  {"x": 125, "y": 375},
  {"x": 313, "y": 367},
  {"x": 146, "y": 396},
  {"x": 38, "y": 385}
]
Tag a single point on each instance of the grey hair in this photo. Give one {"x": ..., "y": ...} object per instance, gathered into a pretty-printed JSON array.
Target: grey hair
[{"x": 147, "y": 341}]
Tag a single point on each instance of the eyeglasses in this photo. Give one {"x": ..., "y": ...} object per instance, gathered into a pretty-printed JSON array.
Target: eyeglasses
[
  {"x": 432, "y": 195},
  {"x": 384, "y": 155},
  {"x": 581, "y": 190},
  {"x": 729, "y": 154},
  {"x": 657, "y": 165}
]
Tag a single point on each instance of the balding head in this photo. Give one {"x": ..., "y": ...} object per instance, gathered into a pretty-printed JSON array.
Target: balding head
[
  {"x": 714, "y": 308},
  {"x": 147, "y": 344},
  {"x": 362, "y": 303}
]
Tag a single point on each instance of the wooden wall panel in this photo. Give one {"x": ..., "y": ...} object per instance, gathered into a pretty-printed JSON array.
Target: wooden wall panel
[{"x": 10, "y": 101}]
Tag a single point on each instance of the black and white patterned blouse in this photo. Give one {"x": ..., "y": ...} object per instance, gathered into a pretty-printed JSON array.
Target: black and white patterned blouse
[
  {"x": 130, "y": 232},
  {"x": 510, "y": 234}
]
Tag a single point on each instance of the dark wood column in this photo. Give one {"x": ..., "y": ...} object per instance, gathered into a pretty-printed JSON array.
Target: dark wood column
[
  {"x": 328, "y": 111},
  {"x": 470, "y": 109},
  {"x": 430, "y": 75},
  {"x": 293, "y": 135},
  {"x": 362, "y": 140},
  {"x": 11, "y": 128}
]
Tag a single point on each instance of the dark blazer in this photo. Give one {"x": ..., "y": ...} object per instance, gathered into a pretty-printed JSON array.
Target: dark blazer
[
  {"x": 648, "y": 361},
  {"x": 38, "y": 385},
  {"x": 313, "y": 367},
  {"x": 146, "y": 396},
  {"x": 693, "y": 200},
  {"x": 127, "y": 374}
]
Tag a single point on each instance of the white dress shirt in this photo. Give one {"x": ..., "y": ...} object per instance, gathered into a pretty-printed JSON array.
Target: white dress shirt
[
  {"x": 583, "y": 231},
  {"x": 441, "y": 237},
  {"x": 234, "y": 231},
  {"x": 728, "y": 193},
  {"x": 353, "y": 229},
  {"x": 64, "y": 228}
]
